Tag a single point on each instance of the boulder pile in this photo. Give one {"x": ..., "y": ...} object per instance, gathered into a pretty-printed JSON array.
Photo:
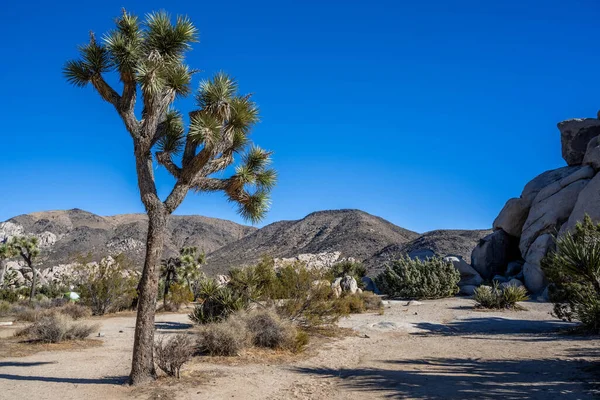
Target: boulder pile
[{"x": 550, "y": 205}]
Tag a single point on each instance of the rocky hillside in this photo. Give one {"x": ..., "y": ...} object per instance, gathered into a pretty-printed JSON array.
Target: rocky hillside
[
  {"x": 66, "y": 234},
  {"x": 354, "y": 233},
  {"x": 459, "y": 243}
]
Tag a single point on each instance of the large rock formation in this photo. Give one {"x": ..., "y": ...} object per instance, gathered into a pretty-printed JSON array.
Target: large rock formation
[{"x": 550, "y": 204}]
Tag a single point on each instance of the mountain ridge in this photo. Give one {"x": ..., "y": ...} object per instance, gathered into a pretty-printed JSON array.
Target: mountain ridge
[{"x": 64, "y": 234}]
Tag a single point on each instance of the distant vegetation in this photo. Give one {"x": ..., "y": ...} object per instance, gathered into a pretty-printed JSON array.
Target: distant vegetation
[{"x": 408, "y": 278}]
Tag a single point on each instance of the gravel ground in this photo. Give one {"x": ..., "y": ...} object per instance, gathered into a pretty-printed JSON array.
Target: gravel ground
[{"x": 440, "y": 349}]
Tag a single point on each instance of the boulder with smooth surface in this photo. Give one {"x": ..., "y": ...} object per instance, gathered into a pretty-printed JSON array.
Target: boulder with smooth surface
[
  {"x": 547, "y": 214},
  {"x": 512, "y": 217},
  {"x": 588, "y": 202},
  {"x": 575, "y": 134}
]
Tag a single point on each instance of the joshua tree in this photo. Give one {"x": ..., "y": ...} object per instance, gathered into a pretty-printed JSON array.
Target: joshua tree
[
  {"x": 168, "y": 271},
  {"x": 27, "y": 248},
  {"x": 191, "y": 260},
  {"x": 6, "y": 252},
  {"x": 149, "y": 59}
]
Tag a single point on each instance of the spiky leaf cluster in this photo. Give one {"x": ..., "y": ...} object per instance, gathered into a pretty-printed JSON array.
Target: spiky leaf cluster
[{"x": 149, "y": 57}]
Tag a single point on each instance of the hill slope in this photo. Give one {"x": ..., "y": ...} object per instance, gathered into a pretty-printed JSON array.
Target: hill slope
[
  {"x": 352, "y": 232},
  {"x": 441, "y": 242},
  {"x": 66, "y": 234}
]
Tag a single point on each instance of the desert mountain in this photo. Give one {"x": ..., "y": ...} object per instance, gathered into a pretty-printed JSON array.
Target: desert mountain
[
  {"x": 66, "y": 234},
  {"x": 354, "y": 233}
]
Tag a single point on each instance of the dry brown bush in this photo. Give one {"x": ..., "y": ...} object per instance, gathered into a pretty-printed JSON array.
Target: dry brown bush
[
  {"x": 170, "y": 354},
  {"x": 225, "y": 338},
  {"x": 55, "y": 328}
]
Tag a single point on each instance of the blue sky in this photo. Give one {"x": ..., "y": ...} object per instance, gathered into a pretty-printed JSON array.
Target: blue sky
[{"x": 428, "y": 113}]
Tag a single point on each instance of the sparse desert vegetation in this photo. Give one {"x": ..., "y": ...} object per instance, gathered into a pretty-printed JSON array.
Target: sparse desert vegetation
[{"x": 338, "y": 304}]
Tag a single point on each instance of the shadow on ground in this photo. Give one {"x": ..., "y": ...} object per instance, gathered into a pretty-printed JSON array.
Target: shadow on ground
[
  {"x": 172, "y": 326},
  {"x": 531, "y": 330},
  {"x": 457, "y": 378},
  {"x": 25, "y": 364},
  {"x": 109, "y": 380}
]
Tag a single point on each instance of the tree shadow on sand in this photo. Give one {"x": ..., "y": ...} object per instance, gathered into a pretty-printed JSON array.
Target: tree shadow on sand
[
  {"x": 463, "y": 378},
  {"x": 109, "y": 380},
  {"x": 171, "y": 326},
  {"x": 509, "y": 329}
]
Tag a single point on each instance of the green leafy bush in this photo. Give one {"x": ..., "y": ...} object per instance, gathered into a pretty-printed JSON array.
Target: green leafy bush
[
  {"x": 216, "y": 303},
  {"x": 305, "y": 300},
  {"x": 10, "y": 295},
  {"x": 106, "y": 286},
  {"x": 408, "y": 278},
  {"x": 255, "y": 283},
  {"x": 495, "y": 297},
  {"x": 180, "y": 294},
  {"x": 574, "y": 272}
]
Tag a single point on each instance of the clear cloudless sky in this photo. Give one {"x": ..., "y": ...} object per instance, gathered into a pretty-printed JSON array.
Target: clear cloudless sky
[{"x": 429, "y": 113}]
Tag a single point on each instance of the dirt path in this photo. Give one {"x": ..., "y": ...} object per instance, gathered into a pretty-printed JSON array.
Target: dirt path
[{"x": 436, "y": 350}]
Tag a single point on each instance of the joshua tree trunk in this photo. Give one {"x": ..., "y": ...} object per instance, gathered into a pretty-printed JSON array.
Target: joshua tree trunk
[
  {"x": 33, "y": 281},
  {"x": 3, "y": 263},
  {"x": 143, "y": 361}
]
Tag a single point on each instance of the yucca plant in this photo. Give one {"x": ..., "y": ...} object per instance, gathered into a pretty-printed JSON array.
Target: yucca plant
[
  {"x": 148, "y": 57},
  {"x": 574, "y": 272},
  {"x": 216, "y": 303},
  {"x": 496, "y": 297}
]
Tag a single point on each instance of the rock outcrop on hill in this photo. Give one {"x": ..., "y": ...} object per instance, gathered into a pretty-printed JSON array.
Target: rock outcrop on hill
[{"x": 550, "y": 204}]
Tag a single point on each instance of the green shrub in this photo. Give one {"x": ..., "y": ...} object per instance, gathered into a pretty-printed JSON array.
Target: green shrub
[
  {"x": 408, "y": 278},
  {"x": 170, "y": 354},
  {"x": 10, "y": 295},
  {"x": 354, "y": 269},
  {"x": 5, "y": 308},
  {"x": 216, "y": 303},
  {"x": 350, "y": 304},
  {"x": 180, "y": 294},
  {"x": 304, "y": 300},
  {"x": 574, "y": 272},
  {"x": 225, "y": 338},
  {"x": 499, "y": 298},
  {"x": 107, "y": 286},
  {"x": 255, "y": 283},
  {"x": 55, "y": 328}
]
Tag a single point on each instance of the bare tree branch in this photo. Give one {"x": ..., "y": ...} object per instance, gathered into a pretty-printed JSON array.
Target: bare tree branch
[{"x": 166, "y": 161}]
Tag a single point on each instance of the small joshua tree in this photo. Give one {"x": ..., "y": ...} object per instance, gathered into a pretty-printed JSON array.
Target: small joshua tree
[
  {"x": 149, "y": 59},
  {"x": 184, "y": 267},
  {"x": 27, "y": 248},
  {"x": 168, "y": 271},
  {"x": 6, "y": 252}
]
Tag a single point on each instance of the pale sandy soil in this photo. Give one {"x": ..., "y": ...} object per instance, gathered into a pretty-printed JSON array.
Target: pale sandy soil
[{"x": 437, "y": 350}]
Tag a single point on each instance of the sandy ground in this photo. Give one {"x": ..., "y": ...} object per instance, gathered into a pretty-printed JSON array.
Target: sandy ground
[{"x": 436, "y": 350}]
